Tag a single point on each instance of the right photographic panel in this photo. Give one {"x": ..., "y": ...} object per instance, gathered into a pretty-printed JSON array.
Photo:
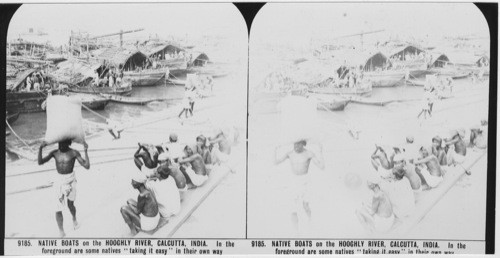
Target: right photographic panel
[{"x": 368, "y": 121}]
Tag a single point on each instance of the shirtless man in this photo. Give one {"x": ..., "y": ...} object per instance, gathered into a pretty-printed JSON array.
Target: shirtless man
[
  {"x": 378, "y": 216},
  {"x": 431, "y": 173},
  {"x": 65, "y": 184},
  {"x": 165, "y": 163},
  {"x": 479, "y": 135},
  {"x": 381, "y": 162},
  {"x": 149, "y": 155},
  {"x": 194, "y": 167},
  {"x": 165, "y": 190},
  {"x": 142, "y": 214},
  {"x": 438, "y": 151},
  {"x": 221, "y": 154},
  {"x": 202, "y": 149},
  {"x": 408, "y": 170},
  {"x": 300, "y": 158},
  {"x": 456, "y": 154}
]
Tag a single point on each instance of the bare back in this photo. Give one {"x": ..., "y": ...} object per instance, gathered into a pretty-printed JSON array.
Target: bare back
[
  {"x": 460, "y": 147},
  {"x": 412, "y": 176},
  {"x": 198, "y": 164},
  {"x": 433, "y": 166},
  {"x": 382, "y": 205},
  {"x": 146, "y": 204}
]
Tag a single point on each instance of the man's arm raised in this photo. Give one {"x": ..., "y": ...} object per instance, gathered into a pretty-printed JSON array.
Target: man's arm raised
[
  {"x": 84, "y": 162},
  {"x": 43, "y": 160},
  {"x": 278, "y": 160},
  {"x": 319, "y": 161}
]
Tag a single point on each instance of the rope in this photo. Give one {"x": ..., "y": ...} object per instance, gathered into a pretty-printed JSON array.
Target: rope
[{"x": 95, "y": 113}]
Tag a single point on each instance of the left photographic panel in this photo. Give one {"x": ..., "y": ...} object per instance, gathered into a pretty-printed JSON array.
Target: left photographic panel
[{"x": 126, "y": 120}]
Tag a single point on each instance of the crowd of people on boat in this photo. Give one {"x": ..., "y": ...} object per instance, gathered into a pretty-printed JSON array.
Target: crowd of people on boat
[
  {"x": 37, "y": 81},
  {"x": 113, "y": 78},
  {"x": 403, "y": 172}
]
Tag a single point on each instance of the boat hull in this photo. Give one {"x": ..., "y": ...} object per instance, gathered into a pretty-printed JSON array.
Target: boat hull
[
  {"x": 25, "y": 102},
  {"x": 124, "y": 90},
  {"x": 333, "y": 105},
  {"x": 385, "y": 79},
  {"x": 145, "y": 78}
]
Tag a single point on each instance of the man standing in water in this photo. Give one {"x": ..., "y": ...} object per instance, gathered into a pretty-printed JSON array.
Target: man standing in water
[
  {"x": 65, "y": 183},
  {"x": 300, "y": 158}
]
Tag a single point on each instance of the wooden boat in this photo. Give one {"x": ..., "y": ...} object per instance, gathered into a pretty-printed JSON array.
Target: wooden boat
[
  {"x": 92, "y": 101},
  {"x": 176, "y": 82},
  {"x": 332, "y": 103},
  {"x": 20, "y": 100},
  {"x": 124, "y": 89},
  {"x": 363, "y": 88},
  {"x": 388, "y": 78},
  {"x": 128, "y": 100},
  {"x": 11, "y": 117},
  {"x": 148, "y": 77}
]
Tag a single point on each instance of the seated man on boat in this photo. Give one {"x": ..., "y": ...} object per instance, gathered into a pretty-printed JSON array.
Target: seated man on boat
[
  {"x": 376, "y": 216},
  {"x": 221, "y": 154},
  {"x": 174, "y": 148},
  {"x": 382, "y": 161},
  {"x": 457, "y": 149},
  {"x": 479, "y": 135},
  {"x": 428, "y": 168},
  {"x": 407, "y": 169},
  {"x": 149, "y": 155},
  {"x": 165, "y": 162},
  {"x": 142, "y": 214},
  {"x": 193, "y": 166},
  {"x": 164, "y": 188},
  {"x": 400, "y": 193},
  {"x": 438, "y": 151},
  {"x": 203, "y": 150}
]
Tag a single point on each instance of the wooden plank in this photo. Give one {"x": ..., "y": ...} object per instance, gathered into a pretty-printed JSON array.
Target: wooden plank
[{"x": 190, "y": 201}]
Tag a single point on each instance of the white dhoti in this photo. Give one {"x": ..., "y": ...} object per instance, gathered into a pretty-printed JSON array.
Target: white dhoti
[
  {"x": 149, "y": 223},
  {"x": 196, "y": 179},
  {"x": 383, "y": 224},
  {"x": 64, "y": 188},
  {"x": 149, "y": 172},
  {"x": 455, "y": 158},
  {"x": 431, "y": 180},
  {"x": 299, "y": 191}
]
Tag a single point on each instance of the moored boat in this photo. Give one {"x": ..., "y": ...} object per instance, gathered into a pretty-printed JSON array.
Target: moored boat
[
  {"x": 128, "y": 100},
  {"x": 92, "y": 101},
  {"x": 149, "y": 77},
  {"x": 124, "y": 89},
  {"x": 330, "y": 102}
]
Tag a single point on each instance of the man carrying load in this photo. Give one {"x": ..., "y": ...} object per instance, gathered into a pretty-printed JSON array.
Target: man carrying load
[
  {"x": 65, "y": 184},
  {"x": 300, "y": 158}
]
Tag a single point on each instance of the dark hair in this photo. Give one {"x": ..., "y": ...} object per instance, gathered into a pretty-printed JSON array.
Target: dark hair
[
  {"x": 201, "y": 138},
  {"x": 398, "y": 173}
]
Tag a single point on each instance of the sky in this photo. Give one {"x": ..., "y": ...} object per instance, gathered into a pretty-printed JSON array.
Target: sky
[
  {"x": 164, "y": 19},
  {"x": 298, "y": 23}
]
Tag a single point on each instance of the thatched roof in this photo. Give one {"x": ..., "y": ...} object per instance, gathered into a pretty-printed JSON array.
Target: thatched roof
[
  {"x": 368, "y": 60},
  {"x": 402, "y": 51},
  {"x": 20, "y": 78},
  {"x": 75, "y": 72},
  {"x": 126, "y": 59},
  {"x": 199, "y": 58},
  {"x": 150, "y": 50},
  {"x": 439, "y": 60}
]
